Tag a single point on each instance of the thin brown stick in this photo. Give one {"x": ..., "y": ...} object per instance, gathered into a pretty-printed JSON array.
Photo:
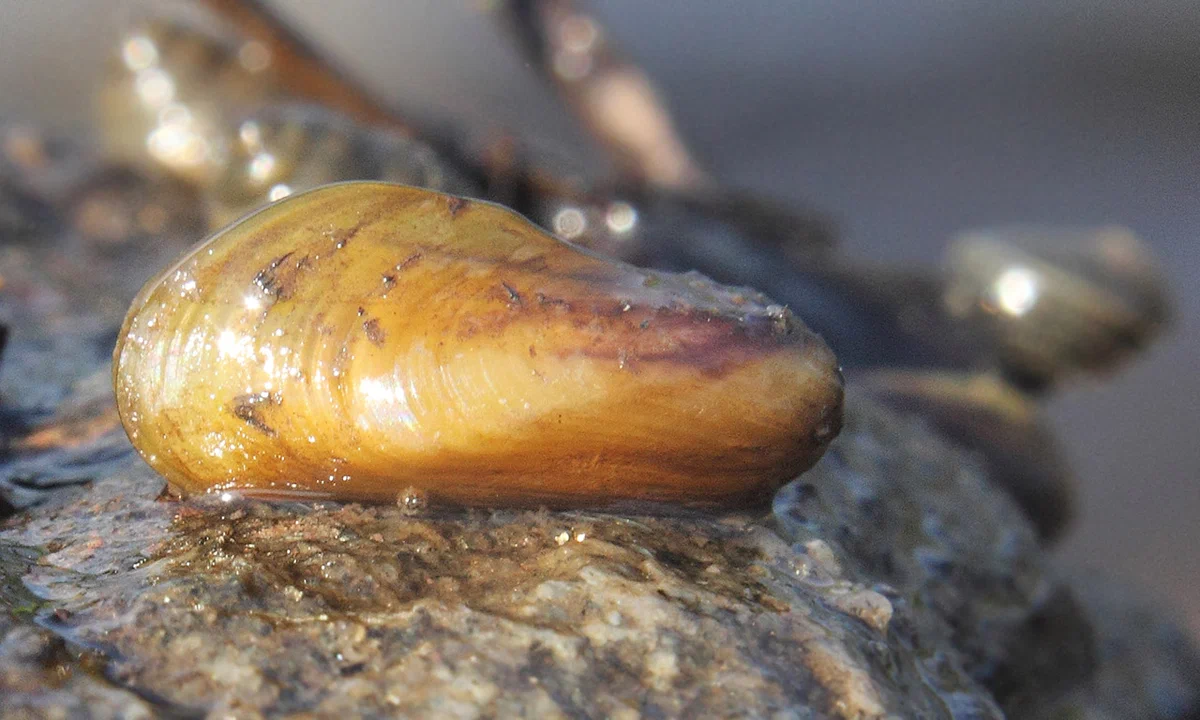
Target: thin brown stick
[
  {"x": 300, "y": 70},
  {"x": 612, "y": 97}
]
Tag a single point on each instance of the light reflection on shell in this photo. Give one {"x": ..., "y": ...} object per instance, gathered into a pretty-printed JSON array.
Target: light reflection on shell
[{"x": 364, "y": 339}]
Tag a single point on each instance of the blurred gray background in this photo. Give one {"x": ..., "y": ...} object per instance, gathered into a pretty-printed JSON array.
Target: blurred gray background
[{"x": 908, "y": 121}]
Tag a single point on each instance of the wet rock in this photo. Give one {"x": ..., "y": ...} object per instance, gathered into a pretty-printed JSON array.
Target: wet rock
[
  {"x": 904, "y": 510},
  {"x": 244, "y": 606},
  {"x": 904, "y": 582},
  {"x": 41, "y": 678}
]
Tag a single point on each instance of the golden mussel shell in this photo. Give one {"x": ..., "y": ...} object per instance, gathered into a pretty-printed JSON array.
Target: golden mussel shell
[{"x": 365, "y": 341}]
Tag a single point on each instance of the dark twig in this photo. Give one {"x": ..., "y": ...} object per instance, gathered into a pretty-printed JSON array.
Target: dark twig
[
  {"x": 611, "y": 96},
  {"x": 300, "y": 70}
]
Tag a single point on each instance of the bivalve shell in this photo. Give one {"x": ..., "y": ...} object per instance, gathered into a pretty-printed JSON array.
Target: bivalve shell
[{"x": 370, "y": 341}]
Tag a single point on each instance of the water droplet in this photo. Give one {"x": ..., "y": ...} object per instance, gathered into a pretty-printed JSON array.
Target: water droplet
[{"x": 412, "y": 501}]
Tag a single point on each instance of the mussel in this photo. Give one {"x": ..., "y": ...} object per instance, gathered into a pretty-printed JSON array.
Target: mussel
[
  {"x": 170, "y": 95},
  {"x": 1057, "y": 302},
  {"x": 370, "y": 341},
  {"x": 288, "y": 148}
]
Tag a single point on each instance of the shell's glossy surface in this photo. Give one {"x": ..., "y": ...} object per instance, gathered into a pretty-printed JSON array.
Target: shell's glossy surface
[{"x": 364, "y": 340}]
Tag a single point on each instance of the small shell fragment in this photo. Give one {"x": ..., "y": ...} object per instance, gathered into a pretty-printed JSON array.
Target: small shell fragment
[{"x": 364, "y": 340}]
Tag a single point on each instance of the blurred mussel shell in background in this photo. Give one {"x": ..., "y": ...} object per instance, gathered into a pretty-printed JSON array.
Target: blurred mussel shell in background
[
  {"x": 1057, "y": 301},
  {"x": 286, "y": 148},
  {"x": 1031, "y": 306},
  {"x": 173, "y": 88}
]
